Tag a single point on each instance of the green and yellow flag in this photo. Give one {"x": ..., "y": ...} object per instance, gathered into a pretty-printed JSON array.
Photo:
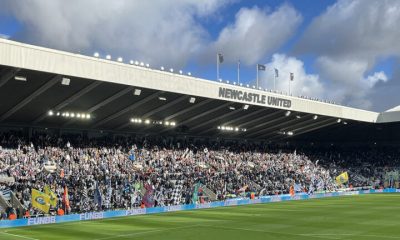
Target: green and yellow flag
[
  {"x": 52, "y": 195},
  {"x": 40, "y": 201},
  {"x": 342, "y": 178}
]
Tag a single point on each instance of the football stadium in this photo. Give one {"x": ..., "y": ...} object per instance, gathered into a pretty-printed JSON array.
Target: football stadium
[{"x": 93, "y": 147}]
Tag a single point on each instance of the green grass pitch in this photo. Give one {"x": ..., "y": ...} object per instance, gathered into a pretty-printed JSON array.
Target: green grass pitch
[{"x": 374, "y": 216}]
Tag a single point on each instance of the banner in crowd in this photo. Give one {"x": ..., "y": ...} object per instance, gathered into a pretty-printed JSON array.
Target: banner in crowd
[
  {"x": 52, "y": 195},
  {"x": 342, "y": 178},
  {"x": 40, "y": 201}
]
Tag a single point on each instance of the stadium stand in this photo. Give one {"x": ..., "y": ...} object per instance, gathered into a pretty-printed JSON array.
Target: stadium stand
[{"x": 121, "y": 172}]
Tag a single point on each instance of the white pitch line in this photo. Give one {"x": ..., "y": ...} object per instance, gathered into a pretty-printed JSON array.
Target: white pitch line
[
  {"x": 145, "y": 232},
  {"x": 350, "y": 234},
  {"x": 19, "y": 236}
]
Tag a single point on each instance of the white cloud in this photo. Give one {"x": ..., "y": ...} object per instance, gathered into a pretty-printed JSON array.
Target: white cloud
[
  {"x": 256, "y": 33},
  {"x": 349, "y": 38},
  {"x": 304, "y": 84},
  {"x": 160, "y": 32},
  {"x": 346, "y": 80}
]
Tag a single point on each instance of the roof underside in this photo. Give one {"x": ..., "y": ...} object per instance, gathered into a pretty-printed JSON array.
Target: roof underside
[{"x": 111, "y": 105}]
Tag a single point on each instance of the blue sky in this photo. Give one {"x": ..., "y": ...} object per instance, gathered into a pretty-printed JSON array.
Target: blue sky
[{"x": 341, "y": 50}]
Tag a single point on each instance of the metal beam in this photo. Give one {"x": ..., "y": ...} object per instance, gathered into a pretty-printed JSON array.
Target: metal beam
[
  {"x": 290, "y": 127},
  {"x": 104, "y": 102},
  {"x": 8, "y": 75},
  {"x": 238, "y": 119},
  {"x": 265, "y": 123},
  {"x": 217, "y": 118},
  {"x": 42, "y": 89},
  {"x": 309, "y": 128},
  {"x": 188, "y": 109},
  {"x": 200, "y": 115},
  {"x": 274, "y": 127},
  {"x": 69, "y": 100},
  {"x": 125, "y": 110},
  {"x": 156, "y": 110}
]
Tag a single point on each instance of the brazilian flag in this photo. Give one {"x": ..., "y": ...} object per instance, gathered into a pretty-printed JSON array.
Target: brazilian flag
[
  {"x": 342, "y": 178},
  {"x": 52, "y": 195},
  {"x": 40, "y": 201}
]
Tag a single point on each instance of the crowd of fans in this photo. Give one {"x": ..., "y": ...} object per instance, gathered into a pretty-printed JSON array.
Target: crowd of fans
[{"x": 122, "y": 172}]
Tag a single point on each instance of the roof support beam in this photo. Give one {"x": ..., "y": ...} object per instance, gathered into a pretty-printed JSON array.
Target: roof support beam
[
  {"x": 8, "y": 75},
  {"x": 69, "y": 100},
  {"x": 216, "y": 119},
  {"x": 28, "y": 99},
  {"x": 156, "y": 110},
  {"x": 273, "y": 127},
  {"x": 125, "y": 110},
  {"x": 200, "y": 115},
  {"x": 307, "y": 121},
  {"x": 104, "y": 102},
  {"x": 309, "y": 128},
  {"x": 237, "y": 119}
]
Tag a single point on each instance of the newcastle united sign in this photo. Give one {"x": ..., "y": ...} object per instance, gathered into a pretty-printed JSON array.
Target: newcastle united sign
[{"x": 253, "y": 97}]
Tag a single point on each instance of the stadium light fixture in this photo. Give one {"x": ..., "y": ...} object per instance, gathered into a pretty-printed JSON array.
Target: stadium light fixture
[
  {"x": 173, "y": 124},
  {"x": 254, "y": 87},
  {"x": 287, "y": 114},
  {"x": 120, "y": 59},
  {"x": 241, "y": 84},
  {"x": 192, "y": 100},
  {"x": 162, "y": 98},
  {"x": 290, "y": 133},
  {"x": 58, "y": 114},
  {"x": 131, "y": 62},
  {"x": 298, "y": 116},
  {"x": 180, "y": 72},
  {"x": 339, "y": 120},
  {"x": 96, "y": 55},
  {"x": 136, "y": 63},
  {"x": 162, "y": 68},
  {"x": 78, "y": 115},
  {"x": 227, "y": 82},
  {"x": 137, "y": 92},
  {"x": 232, "y": 108},
  {"x": 247, "y": 85},
  {"x": 234, "y": 83},
  {"x": 72, "y": 115},
  {"x": 171, "y": 70},
  {"x": 315, "y": 117},
  {"x": 189, "y": 74},
  {"x": 65, "y": 81},
  {"x": 142, "y": 64},
  {"x": 51, "y": 113},
  {"x": 147, "y": 121},
  {"x": 345, "y": 123},
  {"x": 20, "y": 78},
  {"x": 246, "y": 106},
  {"x": 108, "y": 57}
]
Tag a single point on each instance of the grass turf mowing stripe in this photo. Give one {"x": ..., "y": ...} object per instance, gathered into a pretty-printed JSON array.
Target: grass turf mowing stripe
[{"x": 375, "y": 216}]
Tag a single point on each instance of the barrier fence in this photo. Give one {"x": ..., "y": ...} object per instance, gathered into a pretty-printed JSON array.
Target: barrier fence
[{"x": 142, "y": 211}]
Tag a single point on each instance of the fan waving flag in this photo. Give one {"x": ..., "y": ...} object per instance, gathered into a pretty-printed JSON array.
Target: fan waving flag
[
  {"x": 52, "y": 195},
  {"x": 261, "y": 67},
  {"x": 40, "y": 201},
  {"x": 342, "y": 178}
]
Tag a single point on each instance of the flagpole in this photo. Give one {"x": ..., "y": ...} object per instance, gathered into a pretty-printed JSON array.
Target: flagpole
[
  {"x": 289, "y": 86},
  {"x": 217, "y": 67},
  {"x": 274, "y": 81},
  {"x": 257, "y": 74},
  {"x": 238, "y": 72}
]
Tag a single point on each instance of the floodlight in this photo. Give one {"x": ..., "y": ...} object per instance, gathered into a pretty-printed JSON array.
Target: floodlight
[{"x": 96, "y": 54}]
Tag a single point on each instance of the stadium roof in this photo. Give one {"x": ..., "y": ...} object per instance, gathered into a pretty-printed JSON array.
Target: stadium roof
[{"x": 35, "y": 80}]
